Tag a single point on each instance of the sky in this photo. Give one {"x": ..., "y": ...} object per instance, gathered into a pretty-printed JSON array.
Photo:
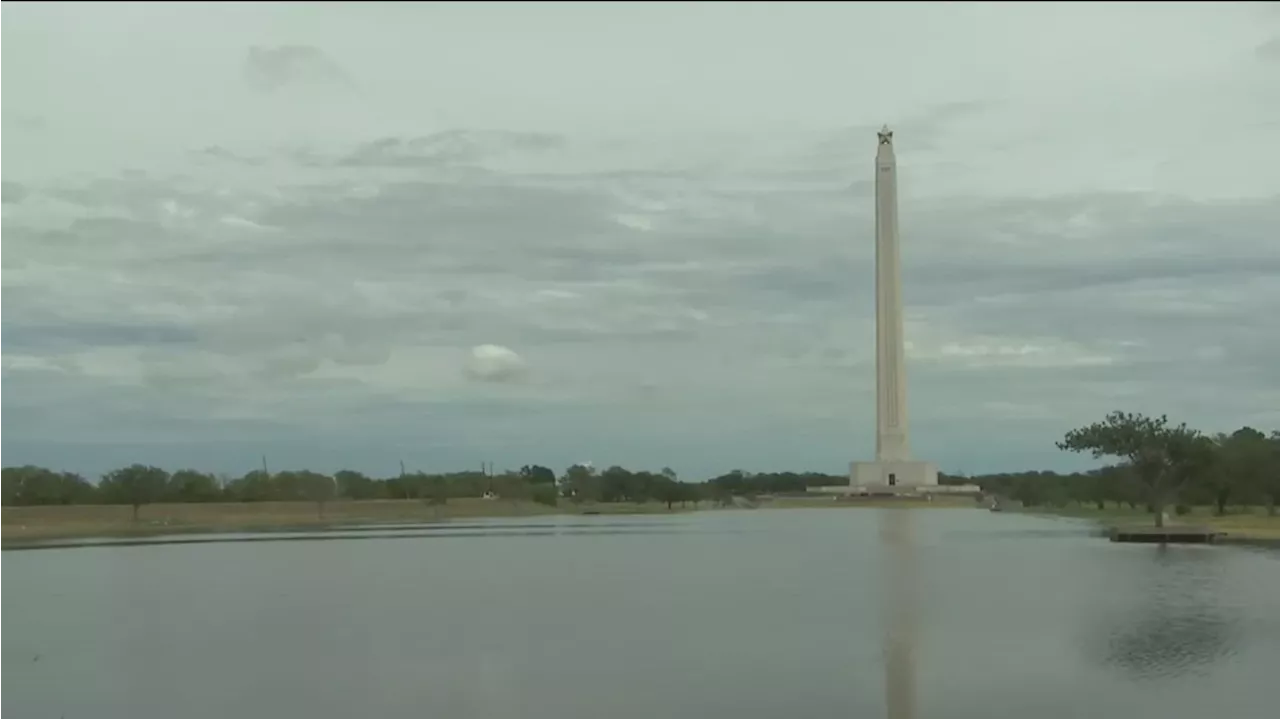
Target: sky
[{"x": 350, "y": 235}]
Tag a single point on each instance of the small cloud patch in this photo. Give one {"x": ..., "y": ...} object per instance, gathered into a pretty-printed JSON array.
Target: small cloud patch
[{"x": 495, "y": 363}]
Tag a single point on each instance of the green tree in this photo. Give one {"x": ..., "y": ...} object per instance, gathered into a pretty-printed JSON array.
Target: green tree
[
  {"x": 11, "y": 481},
  {"x": 314, "y": 487},
  {"x": 1163, "y": 457},
  {"x": 580, "y": 484},
  {"x": 719, "y": 494},
  {"x": 617, "y": 484},
  {"x": 188, "y": 485},
  {"x": 1269, "y": 486},
  {"x": 694, "y": 493},
  {"x": 1239, "y": 469},
  {"x": 513, "y": 487},
  {"x": 407, "y": 486},
  {"x": 544, "y": 494},
  {"x": 1193, "y": 459},
  {"x": 30, "y": 485},
  {"x": 668, "y": 490},
  {"x": 537, "y": 474},
  {"x": 254, "y": 486},
  {"x": 290, "y": 486},
  {"x": 135, "y": 486},
  {"x": 436, "y": 490},
  {"x": 354, "y": 485}
]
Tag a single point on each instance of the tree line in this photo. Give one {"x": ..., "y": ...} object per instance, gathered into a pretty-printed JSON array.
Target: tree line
[
  {"x": 1158, "y": 464},
  {"x": 138, "y": 485}
]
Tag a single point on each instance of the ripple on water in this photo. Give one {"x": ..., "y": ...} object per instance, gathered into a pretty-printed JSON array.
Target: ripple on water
[{"x": 743, "y": 614}]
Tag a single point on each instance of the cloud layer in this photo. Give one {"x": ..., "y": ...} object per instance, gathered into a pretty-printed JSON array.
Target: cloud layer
[{"x": 340, "y": 255}]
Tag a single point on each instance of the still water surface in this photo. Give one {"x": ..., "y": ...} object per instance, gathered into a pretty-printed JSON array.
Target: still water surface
[{"x": 778, "y": 613}]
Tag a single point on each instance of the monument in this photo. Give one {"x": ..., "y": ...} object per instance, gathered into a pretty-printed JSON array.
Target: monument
[{"x": 893, "y": 469}]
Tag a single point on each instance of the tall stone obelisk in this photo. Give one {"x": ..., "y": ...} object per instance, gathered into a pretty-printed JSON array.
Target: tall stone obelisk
[{"x": 893, "y": 467}]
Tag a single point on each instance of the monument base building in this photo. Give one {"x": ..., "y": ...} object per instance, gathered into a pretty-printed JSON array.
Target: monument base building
[{"x": 892, "y": 477}]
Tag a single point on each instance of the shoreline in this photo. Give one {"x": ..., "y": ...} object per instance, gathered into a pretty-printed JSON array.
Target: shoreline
[
  {"x": 1243, "y": 529},
  {"x": 45, "y": 527}
]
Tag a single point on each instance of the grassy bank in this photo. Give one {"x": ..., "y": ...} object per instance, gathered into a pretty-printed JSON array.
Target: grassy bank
[
  {"x": 1249, "y": 523},
  {"x": 21, "y": 524},
  {"x": 26, "y": 523}
]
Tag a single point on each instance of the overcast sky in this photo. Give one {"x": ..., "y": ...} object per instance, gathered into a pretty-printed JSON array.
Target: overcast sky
[{"x": 345, "y": 235}]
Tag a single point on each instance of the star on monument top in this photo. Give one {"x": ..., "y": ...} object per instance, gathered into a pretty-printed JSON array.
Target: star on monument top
[{"x": 886, "y": 135}]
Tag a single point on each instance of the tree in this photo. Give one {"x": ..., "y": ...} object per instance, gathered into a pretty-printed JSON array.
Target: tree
[
  {"x": 354, "y": 485},
  {"x": 30, "y": 485},
  {"x": 254, "y": 486},
  {"x": 732, "y": 483},
  {"x": 1162, "y": 457},
  {"x": 1270, "y": 484},
  {"x": 580, "y": 484},
  {"x": 1193, "y": 459},
  {"x": 1241, "y": 460},
  {"x": 669, "y": 490},
  {"x": 406, "y": 486},
  {"x": 513, "y": 487},
  {"x": 134, "y": 485},
  {"x": 537, "y": 474},
  {"x": 544, "y": 494},
  {"x": 690, "y": 492},
  {"x": 316, "y": 487},
  {"x": 11, "y": 481},
  {"x": 617, "y": 484},
  {"x": 437, "y": 492},
  {"x": 291, "y": 485},
  {"x": 188, "y": 485}
]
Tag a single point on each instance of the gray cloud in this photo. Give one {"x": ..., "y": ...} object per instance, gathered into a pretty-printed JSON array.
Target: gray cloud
[
  {"x": 271, "y": 69},
  {"x": 1269, "y": 50},
  {"x": 12, "y": 192},
  {"x": 443, "y": 148},
  {"x": 216, "y": 153},
  {"x": 314, "y": 284}
]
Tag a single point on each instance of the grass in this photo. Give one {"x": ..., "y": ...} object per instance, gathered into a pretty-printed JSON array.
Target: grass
[
  {"x": 1245, "y": 523},
  {"x": 29, "y": 523},
  {"x": 22, "y": 524}
]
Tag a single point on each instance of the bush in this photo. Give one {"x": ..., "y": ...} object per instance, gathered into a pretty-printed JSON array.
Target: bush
[
  {"x": 1181, "y": 510},
  {"x": 545, "y": 494}
]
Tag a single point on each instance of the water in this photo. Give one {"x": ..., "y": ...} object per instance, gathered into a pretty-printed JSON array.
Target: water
[{"x": 739, "y": 614}]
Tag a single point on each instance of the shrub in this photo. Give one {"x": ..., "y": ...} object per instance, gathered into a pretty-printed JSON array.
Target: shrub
[{"x": 545, "y": 494}]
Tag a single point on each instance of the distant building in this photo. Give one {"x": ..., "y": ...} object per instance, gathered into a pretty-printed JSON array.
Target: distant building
[{"x": 951, "y": 490}]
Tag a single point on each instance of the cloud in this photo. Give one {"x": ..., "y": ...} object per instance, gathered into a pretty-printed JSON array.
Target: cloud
[
  {"x": 272, "y": 69},
  {"x": 444, "y": 148},
  {"x": 494, "y": 363},
  {"x": 1269, "y": 50},
  {"x": 13, "y": 192},
  {"x": 608, "y": 266}
]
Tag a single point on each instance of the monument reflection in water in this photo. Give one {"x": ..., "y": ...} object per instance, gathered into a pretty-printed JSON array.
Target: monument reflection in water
[{"x": 899, "y": 612}]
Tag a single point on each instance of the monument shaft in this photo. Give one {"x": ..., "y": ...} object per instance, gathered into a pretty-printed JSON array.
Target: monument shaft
[
  {"x": 893, "y": 469},
  {"x": 891, "y": 388}
]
